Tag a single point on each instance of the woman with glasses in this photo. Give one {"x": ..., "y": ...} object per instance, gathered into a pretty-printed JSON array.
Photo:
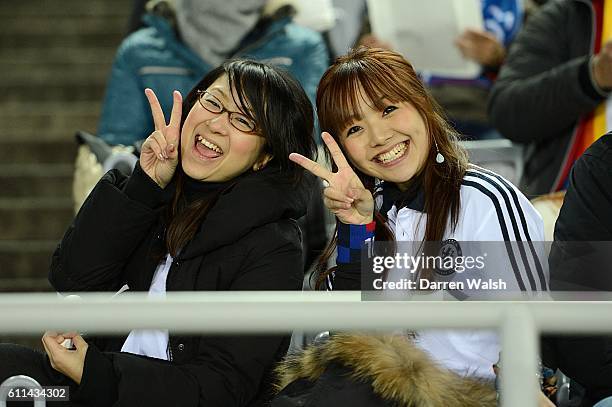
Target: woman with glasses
[{"x": 209, "y": 207}]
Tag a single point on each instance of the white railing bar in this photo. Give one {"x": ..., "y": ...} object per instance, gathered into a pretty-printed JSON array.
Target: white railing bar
[
  {"x": 240, "y": 316},
  {"x": 280, "y": 312},
  {"x": 259, "y": 312},
  {"x": 519, "y": 358}
]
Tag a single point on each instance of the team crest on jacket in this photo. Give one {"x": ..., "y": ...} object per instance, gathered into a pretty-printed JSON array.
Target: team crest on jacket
[{"x": 448, "y": 248}]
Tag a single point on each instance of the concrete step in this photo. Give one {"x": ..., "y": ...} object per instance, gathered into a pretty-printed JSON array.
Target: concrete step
[
  {"x": 20, "y": 285},
  {"x": 41, "y": 218},
  {"x": 95, "y": 39},
  {"x": 61, "y": 8},
  {"x": 34, "y": 151},
  {"x": 56, "y": 55},
  {"x": 64, "y": 24},
  {"x": 50, "y": 92},
  {"x": 36, "y": 180},
  {"x": 46, "y": 119},
  {"x": 59, "y": 135},
  {"x": 36, "y": 75},
  {"x": 23, "y": 260}
]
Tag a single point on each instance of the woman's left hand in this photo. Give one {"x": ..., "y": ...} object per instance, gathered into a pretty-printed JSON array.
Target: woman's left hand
[{"x": 68, "y": 362}]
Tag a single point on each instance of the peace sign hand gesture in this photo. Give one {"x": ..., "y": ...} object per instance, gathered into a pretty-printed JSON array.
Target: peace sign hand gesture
[
  {"x": 159, "y": 153},
  {"x": 345, "y": 196}
]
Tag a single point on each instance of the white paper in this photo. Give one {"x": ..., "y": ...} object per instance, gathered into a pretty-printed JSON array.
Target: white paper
[
  {"x": 425, "y": 32},
  {"x": 318, "y": 15}
]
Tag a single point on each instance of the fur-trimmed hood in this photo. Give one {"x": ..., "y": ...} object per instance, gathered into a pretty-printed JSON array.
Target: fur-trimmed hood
[{"x": 398, "y": 371}]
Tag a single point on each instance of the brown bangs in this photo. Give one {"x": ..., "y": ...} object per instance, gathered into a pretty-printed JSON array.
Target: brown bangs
[{"x": 356, "y": 77}]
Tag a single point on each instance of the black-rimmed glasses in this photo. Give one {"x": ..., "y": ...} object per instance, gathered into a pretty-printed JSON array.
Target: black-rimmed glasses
[{"x": 239, "y": 120}]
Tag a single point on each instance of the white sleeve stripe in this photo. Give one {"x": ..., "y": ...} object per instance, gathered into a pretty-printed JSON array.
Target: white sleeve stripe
[
  {"x": 504, "y": 230},
  {"x": 488, "y": 176}
]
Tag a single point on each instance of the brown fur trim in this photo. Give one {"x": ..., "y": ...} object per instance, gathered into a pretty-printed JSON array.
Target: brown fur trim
[{"x": 397, "y": 369}]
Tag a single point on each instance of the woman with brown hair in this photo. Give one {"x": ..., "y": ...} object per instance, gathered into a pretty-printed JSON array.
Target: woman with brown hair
[{"x": 400, "y": 175}]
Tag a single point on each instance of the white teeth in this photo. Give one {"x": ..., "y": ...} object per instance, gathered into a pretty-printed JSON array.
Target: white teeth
[
  {"x": 394, "y": 154},
  {"x": 210, "y": 145}
]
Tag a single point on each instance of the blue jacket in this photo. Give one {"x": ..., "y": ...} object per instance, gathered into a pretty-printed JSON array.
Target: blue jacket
[{"x": 154, "y": 57}]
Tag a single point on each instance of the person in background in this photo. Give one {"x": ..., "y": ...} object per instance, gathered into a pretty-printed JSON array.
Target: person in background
[
  {"x": 551, "y": 94},
  {"x": 138, "y": 10},
  {"x": 465, "y": 100},
  {"x": 180, "y": 44},
  {"x": 580, "y": 261},
  {"x": 348, "y": 25},
  {"x": 209, "y": 207}
]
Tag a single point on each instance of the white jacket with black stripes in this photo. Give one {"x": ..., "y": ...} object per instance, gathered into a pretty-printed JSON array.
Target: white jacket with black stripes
[
  {"x": 491, "y": 210},
  {"x": 503, "y": 226}
]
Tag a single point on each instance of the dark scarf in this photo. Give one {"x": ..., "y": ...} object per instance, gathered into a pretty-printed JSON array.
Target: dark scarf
[
  {"x": 413, "y": 197},
  {"x": 194, "y": 189},
  {"x": 245, "y": 203}
]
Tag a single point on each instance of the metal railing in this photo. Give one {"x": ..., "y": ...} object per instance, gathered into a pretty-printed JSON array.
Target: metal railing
[
  {"x": 519, "y": 323},
  {"x": 22, "y": 382}
]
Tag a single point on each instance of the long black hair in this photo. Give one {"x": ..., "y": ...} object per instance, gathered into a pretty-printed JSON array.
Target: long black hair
[{"x": 276, "y": 102}]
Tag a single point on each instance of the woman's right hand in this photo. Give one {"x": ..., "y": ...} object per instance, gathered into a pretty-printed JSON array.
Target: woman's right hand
[
  {"x": 159, "y": 152},
  {"x": 345, "y": 194}
]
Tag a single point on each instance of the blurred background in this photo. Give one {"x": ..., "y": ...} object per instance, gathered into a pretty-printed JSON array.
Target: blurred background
[{"x": 55, "y": 58}]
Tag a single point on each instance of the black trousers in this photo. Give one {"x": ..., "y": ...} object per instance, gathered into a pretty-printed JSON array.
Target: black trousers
[{"x": 20, "y": 360}]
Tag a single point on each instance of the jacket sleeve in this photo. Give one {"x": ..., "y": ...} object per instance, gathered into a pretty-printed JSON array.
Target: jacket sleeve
[
  {"x": 580, "y": 261},
  {"x": 114, "y": 219},
  {"x": 125, "y": 112},
  {"x": 580, "y": 252},
  {"x": 494, "y": 213},
  {"x": 351, "y": 239},
  {"x": 229, "y": 370},
  {"x": 540, "y": 93}
]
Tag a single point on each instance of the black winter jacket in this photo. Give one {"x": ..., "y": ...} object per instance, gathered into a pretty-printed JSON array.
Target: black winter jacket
[
  {"x": 545, "y": 86},
  {"x": 580, "y": 261},
  {"x": 248, "y": 241}
]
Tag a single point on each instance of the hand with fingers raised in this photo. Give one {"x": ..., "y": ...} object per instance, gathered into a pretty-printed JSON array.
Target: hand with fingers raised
[
  {"x": 159, "y": 153},
  {"x": 345, "y": 194}
]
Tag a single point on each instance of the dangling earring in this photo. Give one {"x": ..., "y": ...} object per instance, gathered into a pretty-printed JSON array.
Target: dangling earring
[{"x": 439, "y": 156}]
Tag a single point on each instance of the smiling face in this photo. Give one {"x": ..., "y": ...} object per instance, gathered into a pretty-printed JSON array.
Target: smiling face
[
  {"x": 212, "y": 149},
  {"x": 391, "y": 144}
]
